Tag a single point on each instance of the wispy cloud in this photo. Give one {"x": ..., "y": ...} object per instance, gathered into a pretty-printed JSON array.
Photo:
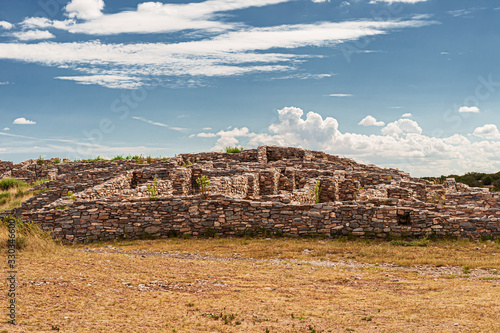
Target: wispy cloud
[
  {"x": 228, "y": 54},
  {"x": 4, "y": 83},
  {"x": 150, "y": 17},
  {"x": 159, "y": 124},
  {"x": 340, "y": 95},
  {"x": 33, "y": 35},
  {"x": 406, "y": 115},
  {"x": 402, "y": 1}
]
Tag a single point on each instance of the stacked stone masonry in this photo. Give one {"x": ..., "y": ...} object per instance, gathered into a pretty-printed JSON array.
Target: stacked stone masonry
[{"x": 268, "y": 190}]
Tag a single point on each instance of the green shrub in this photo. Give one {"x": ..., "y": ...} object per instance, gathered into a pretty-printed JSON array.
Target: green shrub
[
  {"x": 117, "y": 158},
  {"x": 8, "y": 183},
  {"x": 233, "y": 149},
  {"x": 57, "y": 160}
]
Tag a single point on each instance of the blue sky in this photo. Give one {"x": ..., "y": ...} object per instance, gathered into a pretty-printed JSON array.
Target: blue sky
[{"x": 412, "y": 84}]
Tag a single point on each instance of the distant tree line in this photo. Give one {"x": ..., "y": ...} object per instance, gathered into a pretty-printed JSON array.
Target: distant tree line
[{"x": 473, "y": 179}]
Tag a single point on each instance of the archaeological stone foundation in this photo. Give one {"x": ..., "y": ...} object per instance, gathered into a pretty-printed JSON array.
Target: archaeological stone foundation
[{"x": 263, "y": 191}]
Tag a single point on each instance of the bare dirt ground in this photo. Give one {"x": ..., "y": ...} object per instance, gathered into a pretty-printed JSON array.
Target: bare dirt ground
[{"x": 259, "y": 285}]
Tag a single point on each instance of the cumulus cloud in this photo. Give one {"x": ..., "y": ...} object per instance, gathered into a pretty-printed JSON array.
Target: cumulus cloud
[
  {"x": 488, "y": 131},
  {"x": 85, "y": 9},
  {"x": 401, "y": 127},
  {"x": 471, "y": 109},
  {"x": 23, "y": 121},
  {"x": 33, "y": 35},
  {"x": 371, "y": 121},
  {"x": 401, "y": 144},
  {"x": 6, "y": 25},
  {"x": 406, "y": 115},
  {"x": 227, "y": 54}
]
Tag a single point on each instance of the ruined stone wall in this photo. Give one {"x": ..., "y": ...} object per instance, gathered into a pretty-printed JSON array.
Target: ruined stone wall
[{"x": 225, "y": 217}]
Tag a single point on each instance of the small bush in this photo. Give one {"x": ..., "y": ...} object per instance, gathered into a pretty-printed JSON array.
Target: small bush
[
  {"x": 117, "y": 158},
  {"x": 57, "y": 160},
  {"x": 233, "y": 149}
]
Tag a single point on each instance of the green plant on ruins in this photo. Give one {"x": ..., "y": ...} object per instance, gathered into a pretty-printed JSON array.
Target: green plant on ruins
[
  {"x": 153, "y": 190},
  {"x": 149, "y": 159},
  {"x": 203, "y": 185},
  {"x": 233, "y": 149},
  {"x": 39, "y": 161},
  {"x": 71, "y": 196},
  {"x": 316, "y": 192}
]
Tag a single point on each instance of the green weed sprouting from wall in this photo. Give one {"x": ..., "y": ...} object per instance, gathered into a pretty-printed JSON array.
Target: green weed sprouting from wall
[
  {"x": 71, "y": 196},
  {"x": 203, "y": 185},
  {"x": 153, "y": 190},
  {"x": 316, "y": 192}
]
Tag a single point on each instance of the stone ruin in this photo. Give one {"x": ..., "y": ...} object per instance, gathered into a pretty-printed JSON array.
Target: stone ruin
[{"x": 263, "y": 191}]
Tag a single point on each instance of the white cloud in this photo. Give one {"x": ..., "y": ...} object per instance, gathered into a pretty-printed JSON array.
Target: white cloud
[
  {"x": 228, "y": 54},
  {"x": 85, "y": 9},
  {"x": 401, "y": 127},
  {"x": 371, "y": 121},
  {"x": 109, "y": 81},
  {"x": 206, "y": 135},
  {"x": 23, "y": 121},
  {"x": 393, "y": 1},
  {"x": 406, "y": 115},
  {"x": 488, "y": 131},
  {"x": 159, "y": 124},
  {"x": 153, "y": 17},
  {"x": 401, "y": 144},
  {"x": 320, "y": 1},
  {"x": 6, "y": 129},
  {"x": 6, "y": 25},
  {"x": 4, "y": 83},
  {"x": 33, "y": 35},
  {"x": 471, "y": 109},
  {"x": 340, "y": 95}
]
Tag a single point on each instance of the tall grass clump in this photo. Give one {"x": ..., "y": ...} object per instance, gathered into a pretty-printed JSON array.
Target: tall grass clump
[
  {"x": 8, "y": 183},
  {"x": 29, "y": 237}
]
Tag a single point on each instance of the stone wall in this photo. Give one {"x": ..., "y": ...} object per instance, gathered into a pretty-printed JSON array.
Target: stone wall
[
  {"x": 268, "y": 188},
  {"x": 92, "y": 220}
]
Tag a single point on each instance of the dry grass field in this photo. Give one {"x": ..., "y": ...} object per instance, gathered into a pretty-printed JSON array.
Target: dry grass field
[{"x": 258, "y": 285}]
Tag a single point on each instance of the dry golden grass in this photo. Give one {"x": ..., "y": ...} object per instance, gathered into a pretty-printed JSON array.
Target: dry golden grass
[
  {"x": 17, "y": 196},
  {"x": 137, "y": 287}
]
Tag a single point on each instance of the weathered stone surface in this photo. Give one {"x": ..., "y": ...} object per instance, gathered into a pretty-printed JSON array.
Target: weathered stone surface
[{"x": 268, "y": 190}]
